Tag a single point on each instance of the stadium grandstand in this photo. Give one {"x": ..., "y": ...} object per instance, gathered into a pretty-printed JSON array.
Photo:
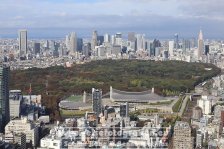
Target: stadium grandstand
[{"x": 135, "y": 97}]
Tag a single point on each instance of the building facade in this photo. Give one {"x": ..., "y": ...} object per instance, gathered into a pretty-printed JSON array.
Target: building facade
[
  {"x": 182, "y": 136},
  {"x": 4, "y": 97},
  {"x": 97, "y": 101},
  {"x": 23, "y": 42}
]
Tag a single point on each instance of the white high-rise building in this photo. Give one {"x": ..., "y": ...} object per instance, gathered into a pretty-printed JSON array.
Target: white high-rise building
[
  {"x": 73, "y": 43},
  {"x": 23, "y": 126},
  {"x": 94, "y": 41},
  {"x": 140, "y": 42},
  {"x": 200, "y": 45},
  {"x": 113, "y": 40},
  {"x": 171, "y": 47},
  {"x": 23, "y": 42},
  {"x": 205, "y": 104},
  {"x": 67, "y": 41},
  {"x": 106, "y": 38},
  {"x": 118, "y": 39}
]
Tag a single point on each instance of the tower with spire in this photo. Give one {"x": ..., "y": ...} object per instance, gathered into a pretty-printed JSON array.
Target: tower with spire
[{"x": 200, "y": 45}]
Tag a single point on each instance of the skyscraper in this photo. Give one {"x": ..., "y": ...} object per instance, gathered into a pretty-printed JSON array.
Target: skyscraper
[
  {"x": 171, "y": 48},
  {"x": 23, "y": 42},
  {"x": 36, "y": 48},
  {"x": 200, "y": 45},
  {"x": 73, "y": 43},
  {"x": 94, "y": 40},
  {"x": 97, "y": 100},
  {"x": 100, "y": 40},
  {"x": 155, "y": 44},
  {"x": 131, "y": 37},
  {"x": 176, "y": 41},
  {"x": 206, "y": 49},
  {"x": 107, "y": 38},
  {"x": 4, "y": 97},
  {"x": 140, "y": 42},
  {"x": 118, "y": 39}
]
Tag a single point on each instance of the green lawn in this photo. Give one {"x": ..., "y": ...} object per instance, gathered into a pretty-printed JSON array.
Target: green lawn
[
  {"x": 177, "y": 105},
  {"x": 75, "y": 98},
  {"x": 162, "y": 103}
]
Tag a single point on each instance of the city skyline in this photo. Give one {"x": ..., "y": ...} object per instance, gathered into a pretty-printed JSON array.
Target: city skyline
[{"x": 161, "y": 18}]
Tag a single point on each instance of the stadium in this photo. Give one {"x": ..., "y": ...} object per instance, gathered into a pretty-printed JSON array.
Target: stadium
[
  {"x": 113, "y": 98},
  {"x": 136, "y": 97}
]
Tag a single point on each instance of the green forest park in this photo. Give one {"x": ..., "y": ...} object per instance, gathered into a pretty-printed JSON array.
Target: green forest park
[{"x": 168, "y": 78}]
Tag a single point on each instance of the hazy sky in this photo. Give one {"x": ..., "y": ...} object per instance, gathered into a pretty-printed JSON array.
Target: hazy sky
[{"x": 151, "y": 16}]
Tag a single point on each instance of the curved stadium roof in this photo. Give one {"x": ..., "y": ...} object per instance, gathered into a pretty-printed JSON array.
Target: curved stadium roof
[{"x": 146, "y": 96}]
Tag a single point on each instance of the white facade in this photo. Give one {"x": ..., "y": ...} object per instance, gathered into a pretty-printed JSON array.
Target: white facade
[
  {"x": 205, "y": 104},
  {"x": 51, "y": 143},
  {"x": 107, "y": 38},
  {"x": 14, "y": 108},
  {"x": 140, "y": 42},
  {"x": 171, "y": 47},
  {"x": 200, "y": 49},
  {"x": 23, "y": 42},
  {"x": 73, "y": 43},
  {"x": 23, "y": 126},
  {"x": 113, "y": 40}
]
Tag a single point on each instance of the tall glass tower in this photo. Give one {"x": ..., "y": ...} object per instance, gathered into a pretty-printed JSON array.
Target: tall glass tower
[
  {"x": 4, "y": 97},
  {"x": 94, "y": 41},
  {"x": 200, "y": 45},
  {"x": 23, "y": 42}
]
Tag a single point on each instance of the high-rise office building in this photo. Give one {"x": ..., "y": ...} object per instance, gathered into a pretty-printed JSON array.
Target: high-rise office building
[
  {"x": 94, "y": 41},
  {"x": 118, "y": 39},
  {"x": 176, "y": 41},
  {"x": 186, "y": 45},
  {"x": 4, "y": 97},
  {"x": 79, "y": 44},
  {"x": 140, "y": 42},
  {"x": 182, "y": 136},
  {"x": 107, "y": 38},
  {"x": 131, "y": 37},
  {"x": 97, "y": 101},
  {"x": 206, "y": 49},
  {"x": 113, "y": 40},
  {"x": 100, "y": 40},
  {"x": 36, "y": 48},
  {"x": 86, "y": 49},
  {"x": 73, "y": 43},
  {"x": 67, "y": 41},
  {"x": 155, "y": 44},
  {"x": 23, "y": 42},
  {"x": 132, "y": 41},
  {"x": 200, "y": 45},
  {"x": 171, "y": 48}
]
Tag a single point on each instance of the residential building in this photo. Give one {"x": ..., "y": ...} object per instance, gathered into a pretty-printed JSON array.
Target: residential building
[
  {"x": 182, "y": 138},
  {"x": 23, "y": 125}
]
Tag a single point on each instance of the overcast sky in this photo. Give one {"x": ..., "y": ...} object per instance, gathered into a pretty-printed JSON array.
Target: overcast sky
[{"x": 163, "y": 17}]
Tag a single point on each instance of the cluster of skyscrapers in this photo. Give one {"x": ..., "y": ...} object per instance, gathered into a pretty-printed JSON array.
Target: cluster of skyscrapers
[{"x": 115, "y": 46}]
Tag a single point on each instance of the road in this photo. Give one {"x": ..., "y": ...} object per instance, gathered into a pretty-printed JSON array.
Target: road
[{"x": 183, "y": 105}]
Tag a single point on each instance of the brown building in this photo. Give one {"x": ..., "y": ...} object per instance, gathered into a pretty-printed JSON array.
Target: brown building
[
  {"x": 197, "y": 113},
  {"x": 182, "y": 138},
  {"x": 222, "y": 117}
]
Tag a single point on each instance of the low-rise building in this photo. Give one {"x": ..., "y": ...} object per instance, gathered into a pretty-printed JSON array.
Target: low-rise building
[{"x": 24, "y": 126}]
